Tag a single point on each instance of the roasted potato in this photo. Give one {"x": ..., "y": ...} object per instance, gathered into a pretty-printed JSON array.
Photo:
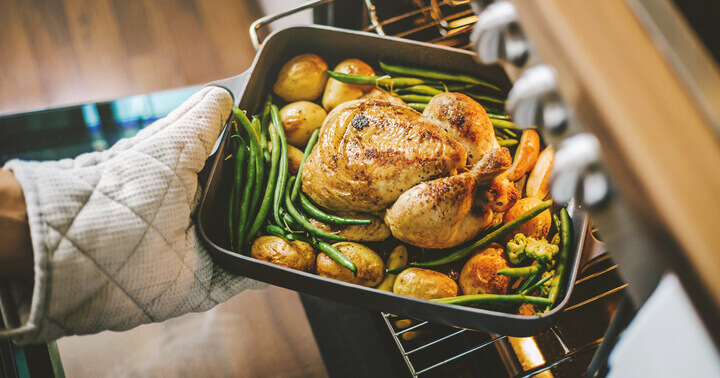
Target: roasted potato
[
  {"x": 376, "y": 231},
  {"x": 525, "y": 156},
  {"x": 398, "y": 258},
  {"x": 336, "y": 92},
  {"x": 370, "y": 266},
  {"x": 295, "y": 156},
  {"x": 301, "y": 78},
  {"x": 296, "y": 254},
  {"x": 538, "y": 183},
  {"x": 537, "y": 227},
  {"x": 300, "y": 119},
  {"x": 479, "y": 275},
  {"x": 424, "y": 284}
]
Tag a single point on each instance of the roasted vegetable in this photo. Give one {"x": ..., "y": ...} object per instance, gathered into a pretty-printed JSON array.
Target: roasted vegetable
[
  {"x": 526, "y": 155},
  {"x": 538, "y": 182},
  {"x": 301, "y": 78},
  {"x": 479, "y": 275},
  {"x": 295, "y": 255},
  {"x": 337, "y": 92},
  {"x": 537, "y": 227},
  {"x": 300, "y": 119},
  {"x": 370, "y": 267},
  {"x": 398, "y": 258},
  {"x": 522, "y": 247},
  {"x": 424, "y": 284}
]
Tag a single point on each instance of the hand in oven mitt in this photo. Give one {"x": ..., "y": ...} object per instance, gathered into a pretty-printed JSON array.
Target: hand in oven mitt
[{"x": 113, "y": 239}]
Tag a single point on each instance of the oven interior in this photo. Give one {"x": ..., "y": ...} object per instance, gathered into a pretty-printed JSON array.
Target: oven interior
[{"x": 431, "y": 350}]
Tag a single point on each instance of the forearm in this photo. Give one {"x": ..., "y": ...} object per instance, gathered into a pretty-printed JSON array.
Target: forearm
[{"x": 16, "y": 257}]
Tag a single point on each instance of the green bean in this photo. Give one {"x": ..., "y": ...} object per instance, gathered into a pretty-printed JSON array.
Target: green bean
[
  {"x": 264, "y": 128},
  {"x": 237, "y": 188},
  {"x": 331, "y": 251},
  {"x": 270, "y": 186},
  {"x": 231, "y": 216},
  {"x": 416, "y": 98},
  {"x": 485, "y": 299},
  {"x": 302, "y": 221},
  {"x": 385, "y": 81},
  {"x": 275, "y": 230},
  {"x": 259, "y": 175},
  {"x": 565, "y": 240},
  {"x": 433, "y": 74},
  {"x": 508, "y": 142},
  {"x": 557, "y": 223},
  {"x": 396, "y": 270},
  {"x": 536, "y": 285},
  {"x": 521, "y": 271},
  {"x": 421, "y": 89},
  {"x": 454, "y": 87},
  {"x": 487, "y": 239},
  {"x": 256, "y": 169},
  {"x": 324, "y": 217},
  {"x": 498, "y": 116},
  {"x": 245, "y": 204},
  {"x": 485, "y": 99},
  {"x": 417, "y": 106},
  {"x": 529, "y": 281},
  {"x": 283, "y": 167},
  {"x": 503, "y": 124},
  {"x": 509, "y": 132},
  {"x": 308, "y": 149}
]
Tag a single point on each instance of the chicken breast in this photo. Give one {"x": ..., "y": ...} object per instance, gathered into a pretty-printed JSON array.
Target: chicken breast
[{"x": 370, "y": 152}]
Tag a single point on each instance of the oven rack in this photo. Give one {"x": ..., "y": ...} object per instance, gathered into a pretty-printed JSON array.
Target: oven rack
[{"x": 432, "y": 350}]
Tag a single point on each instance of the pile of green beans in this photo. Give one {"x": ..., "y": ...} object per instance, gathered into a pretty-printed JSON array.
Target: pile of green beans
[{"x": 264, "y": 194}]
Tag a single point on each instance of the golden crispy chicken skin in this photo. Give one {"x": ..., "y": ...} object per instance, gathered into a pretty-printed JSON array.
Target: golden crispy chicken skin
[
  {"x": 465, "y": 120},
  {"x": 444, "y": 212},
  {"x": 370, "y": 151}
]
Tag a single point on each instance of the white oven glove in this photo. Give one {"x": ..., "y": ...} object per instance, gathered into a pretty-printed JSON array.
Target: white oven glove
[{"x": 113, "y": 238}]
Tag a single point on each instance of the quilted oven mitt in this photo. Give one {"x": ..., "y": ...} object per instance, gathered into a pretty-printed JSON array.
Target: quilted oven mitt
[{"x": 113, "y": 238}]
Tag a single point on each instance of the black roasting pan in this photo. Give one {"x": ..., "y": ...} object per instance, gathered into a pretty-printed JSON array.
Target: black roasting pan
[{"x": 335, "y": 45}]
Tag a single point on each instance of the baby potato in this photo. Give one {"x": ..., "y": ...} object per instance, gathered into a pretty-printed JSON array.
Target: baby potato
[
  {"x": 295, "y": 255},
  {"x": 537, "y": 227},
  {"x": 301, "y": 78},
  {"x": 424, "y": 284},
  {"x": 300, "y": 119},
  {"x": 295, "y": 156},
  {"x": 370, "y": 266},
  {"x": 479, "y": 275},
  {"x": 336, "y": 92},
  {"x": 525, "y": 156},
  {"x": 375, "y": 231},
  {"x": 538, "y": 183}
]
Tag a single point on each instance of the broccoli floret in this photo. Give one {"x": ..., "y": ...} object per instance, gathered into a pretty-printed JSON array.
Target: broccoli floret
[
  {"x": 522, "y": 247},
  {"x": 545, "y": 287},
  {"x": 515, "y": 249},
  {"x": 540, "y": 250}
]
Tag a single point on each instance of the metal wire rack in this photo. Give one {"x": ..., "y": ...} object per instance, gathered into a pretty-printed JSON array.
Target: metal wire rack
[{"x": 565, "y": 349}]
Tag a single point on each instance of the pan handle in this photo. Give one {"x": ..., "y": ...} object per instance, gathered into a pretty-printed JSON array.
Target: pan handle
[
  {"x": 263, "y": 21},
  {"x": 234, "y": 85}
]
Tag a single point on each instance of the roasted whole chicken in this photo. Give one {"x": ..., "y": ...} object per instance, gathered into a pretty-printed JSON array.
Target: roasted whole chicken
[{"x": 436, "y": 176}]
